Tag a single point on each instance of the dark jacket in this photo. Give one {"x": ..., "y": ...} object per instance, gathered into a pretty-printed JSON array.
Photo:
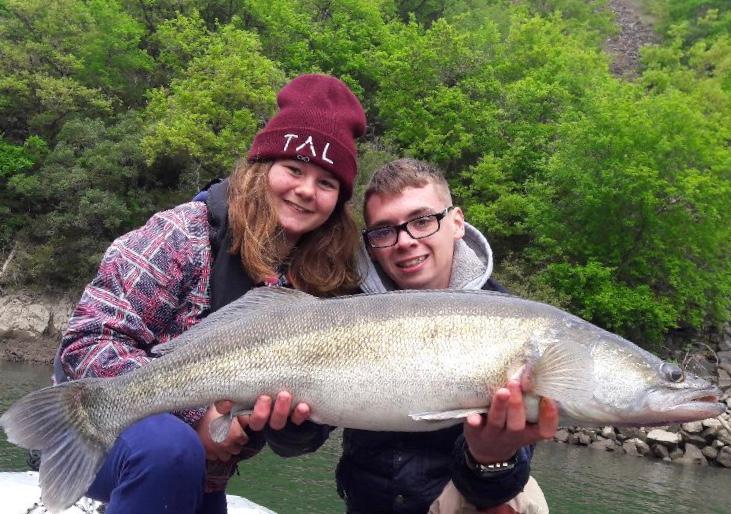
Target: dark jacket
[{"x": 404, "y": 472}]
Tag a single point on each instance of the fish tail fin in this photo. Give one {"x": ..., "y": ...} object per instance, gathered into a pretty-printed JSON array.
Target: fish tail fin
[
  {"x": 563, "y": 372},
  {"x": 55, "y": 421}
]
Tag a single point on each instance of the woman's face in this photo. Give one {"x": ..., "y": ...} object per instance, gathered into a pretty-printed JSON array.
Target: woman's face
[{"x": 303, "y": 194}]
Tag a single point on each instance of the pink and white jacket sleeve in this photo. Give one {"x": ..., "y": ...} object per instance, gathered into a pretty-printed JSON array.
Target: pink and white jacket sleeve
[{"x": 152, "y": 284}]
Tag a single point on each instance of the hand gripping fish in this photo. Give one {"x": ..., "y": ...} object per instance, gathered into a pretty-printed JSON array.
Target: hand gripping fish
[{"x": 398, "y": 361}]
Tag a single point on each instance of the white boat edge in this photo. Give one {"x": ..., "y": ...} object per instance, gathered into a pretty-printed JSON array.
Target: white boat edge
[{"x": 21, "y": 494}]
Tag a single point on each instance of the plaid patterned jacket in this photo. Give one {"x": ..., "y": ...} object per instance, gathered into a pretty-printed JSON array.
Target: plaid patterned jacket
[{"x": 152, "y": 285}]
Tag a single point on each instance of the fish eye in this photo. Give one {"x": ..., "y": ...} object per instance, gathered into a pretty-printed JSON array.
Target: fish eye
[{"x": 672, "y": 372}]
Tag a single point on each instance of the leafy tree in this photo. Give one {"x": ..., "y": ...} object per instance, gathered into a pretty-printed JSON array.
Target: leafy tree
[
  {"x": 305, "y": 36},
  {"x": 437, "y": 92},
  {"x": 698, "y": 19},
  {"x": 153, "y": 13},
  {"x": 207, "y": 118},
  {"x": 90, "y": 188},
  {"x": 17, "y": 164},
  {"x": 486, "y": 107},
  {"x": 630, "y": 216},
  {"x": 590, "y": 18},
  {"x": 63, "y": 59},
  {"x": 178, "y": 41}
]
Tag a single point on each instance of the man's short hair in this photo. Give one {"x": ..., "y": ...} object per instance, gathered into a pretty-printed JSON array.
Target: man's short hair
[{"x": 394, "y": 177}]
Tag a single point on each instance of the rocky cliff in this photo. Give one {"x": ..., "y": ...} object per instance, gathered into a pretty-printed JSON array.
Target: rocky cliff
[{"x": 31, "y": 325}]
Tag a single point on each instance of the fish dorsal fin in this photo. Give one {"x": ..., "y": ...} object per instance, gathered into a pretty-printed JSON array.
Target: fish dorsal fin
[
  {"x": 268, "y": 297},
  {"x": 253, "y": 302},
  {"x": 564, "y": 371}
]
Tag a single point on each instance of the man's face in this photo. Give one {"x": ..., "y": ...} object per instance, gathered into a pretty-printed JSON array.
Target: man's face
[{"x": 416, "y": 263}]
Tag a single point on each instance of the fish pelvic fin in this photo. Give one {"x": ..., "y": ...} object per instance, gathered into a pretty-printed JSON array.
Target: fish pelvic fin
[
  {"x": 54, "y": 421},
  {"x": 446, "y": 415},
  {"x": 563, "y": 372},
  {"x": 219, "y": 428}
]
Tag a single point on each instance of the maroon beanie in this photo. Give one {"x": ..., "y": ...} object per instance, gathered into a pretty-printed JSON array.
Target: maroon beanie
[{"x": 318, "y": 121}]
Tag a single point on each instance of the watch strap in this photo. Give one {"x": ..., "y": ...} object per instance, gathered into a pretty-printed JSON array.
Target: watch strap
[{"x": 485, "y": 470}]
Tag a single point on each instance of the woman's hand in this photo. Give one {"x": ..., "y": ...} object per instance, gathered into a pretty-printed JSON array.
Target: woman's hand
[
  {"x": 235, "y": 440},
  {"x": 499, "y": 435},
  {"x": 277, "y": 415},
  {"x": 262, "y": 413}
]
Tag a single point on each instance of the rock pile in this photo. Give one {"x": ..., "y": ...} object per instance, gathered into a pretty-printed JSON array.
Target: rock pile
[
  {"x": 697, "y": 443},
  {"x": 632, "y": 35},
  {"x": 706, "y": 442}
]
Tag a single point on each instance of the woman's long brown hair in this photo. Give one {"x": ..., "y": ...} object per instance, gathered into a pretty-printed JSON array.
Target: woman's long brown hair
[{"x": 323, "y": 261}]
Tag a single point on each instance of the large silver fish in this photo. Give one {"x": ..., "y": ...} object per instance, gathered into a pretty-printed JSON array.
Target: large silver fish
[{"x": 401, "y": 361}]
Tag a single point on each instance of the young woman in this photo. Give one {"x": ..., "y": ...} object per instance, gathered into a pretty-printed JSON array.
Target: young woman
[{"x": 280, "y": 219}]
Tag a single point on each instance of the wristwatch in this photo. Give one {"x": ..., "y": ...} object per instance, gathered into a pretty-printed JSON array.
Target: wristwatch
[{"x": 487, "y": 470}]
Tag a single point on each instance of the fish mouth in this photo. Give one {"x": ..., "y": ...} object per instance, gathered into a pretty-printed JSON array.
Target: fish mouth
[
  {"x": 707, "y": 399},
  {"x": 691, "y": 406}
]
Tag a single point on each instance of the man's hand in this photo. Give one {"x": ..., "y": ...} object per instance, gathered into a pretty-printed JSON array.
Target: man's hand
[{"x": 499, "y": 435}]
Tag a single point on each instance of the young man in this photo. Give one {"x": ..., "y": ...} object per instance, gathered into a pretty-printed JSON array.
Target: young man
[{"x": 416, "y": 239}]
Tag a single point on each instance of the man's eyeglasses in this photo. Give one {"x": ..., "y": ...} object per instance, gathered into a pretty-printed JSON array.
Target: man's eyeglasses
[{"x": 417, "y": 228}]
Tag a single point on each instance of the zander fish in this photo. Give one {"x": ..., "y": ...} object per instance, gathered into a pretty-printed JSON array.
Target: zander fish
[{"x": 399, "y": 361}]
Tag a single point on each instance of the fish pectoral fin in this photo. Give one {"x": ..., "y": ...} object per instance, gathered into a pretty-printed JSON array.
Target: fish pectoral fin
[
  {"x": 219, "y": 427},
  {"x": 445, "y": 415},
  {"x": 563, "y": 372}
]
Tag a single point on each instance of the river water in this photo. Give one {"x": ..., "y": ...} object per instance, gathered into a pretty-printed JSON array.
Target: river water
[{"x": 574, "y": 479}]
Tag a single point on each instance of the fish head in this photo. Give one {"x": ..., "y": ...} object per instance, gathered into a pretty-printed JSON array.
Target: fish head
[
  {"x": 631, "y": 386},
  {"x": 678, "y": 397}
]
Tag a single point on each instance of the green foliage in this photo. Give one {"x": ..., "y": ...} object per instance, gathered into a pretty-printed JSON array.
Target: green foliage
[
  {"x": 698, "y": 19},
  {"x": 634, "y": 311},
  {"x": 636, "y": 192},
  {"x": 437, "y": 91},
  {"x": 601, "y": 196},
  {"x": 305, "y": 36},
  {"x": 90, "y": 188},
  {"x": 153, "y": 13},
  {"x": 178, "y": 41},
  {"x": 591, "y": 18},
  {"x": 17, "y": 165},
  {"x": 540, "y": 75},
  {"x": 65, "y": 59},
  {"x": 207, "y": 118}
]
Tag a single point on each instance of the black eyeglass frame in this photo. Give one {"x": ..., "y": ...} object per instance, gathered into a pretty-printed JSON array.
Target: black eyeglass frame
[{"x": 439, "y": 216}]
